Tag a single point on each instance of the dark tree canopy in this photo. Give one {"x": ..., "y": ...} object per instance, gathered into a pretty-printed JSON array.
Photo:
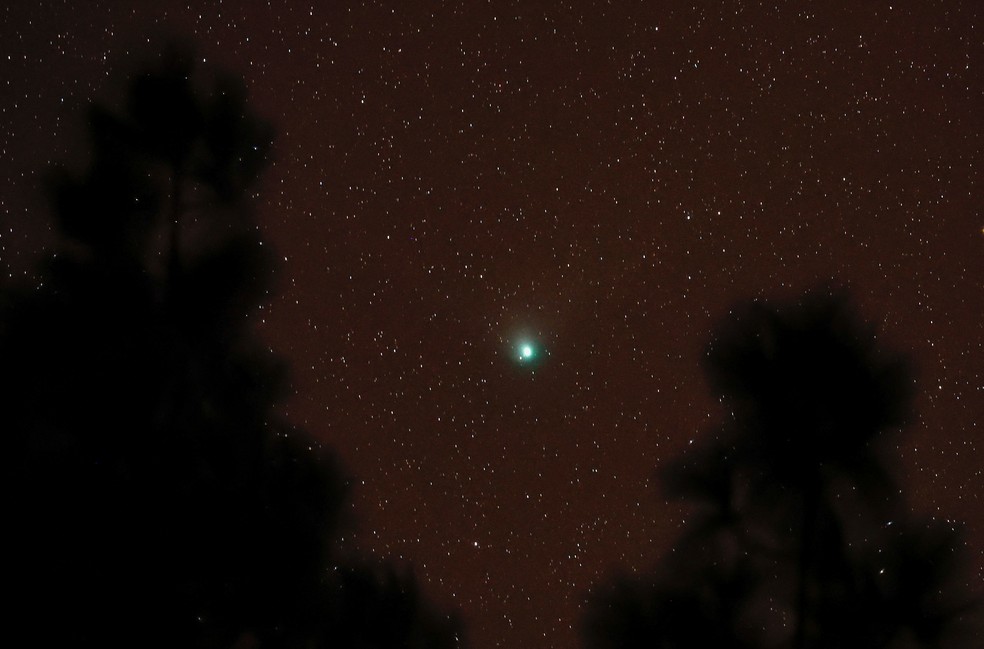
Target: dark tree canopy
[
  {"x": 799, "y": 537},
  {"x": 153, "y": 496}
]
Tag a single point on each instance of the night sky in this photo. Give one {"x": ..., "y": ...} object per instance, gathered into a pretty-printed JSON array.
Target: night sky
[{"x": 600, "y": 181}]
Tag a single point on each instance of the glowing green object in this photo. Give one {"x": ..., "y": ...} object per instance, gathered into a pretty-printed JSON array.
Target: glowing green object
[{"x": 526, "y": 352}]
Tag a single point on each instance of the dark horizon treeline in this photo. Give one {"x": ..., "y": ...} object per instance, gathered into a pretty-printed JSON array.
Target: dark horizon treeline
[
  {"x": 799, "y": 535},
  {"x": 154, "y": 497}
]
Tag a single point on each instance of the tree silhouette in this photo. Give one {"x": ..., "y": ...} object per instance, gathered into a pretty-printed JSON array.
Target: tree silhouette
[
  {"x": 799, "y": 537},
  {"x": 152, "y": 495}
]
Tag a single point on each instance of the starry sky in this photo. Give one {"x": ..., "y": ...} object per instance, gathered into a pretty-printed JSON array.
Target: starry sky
[{"x": 599, "y": 180}]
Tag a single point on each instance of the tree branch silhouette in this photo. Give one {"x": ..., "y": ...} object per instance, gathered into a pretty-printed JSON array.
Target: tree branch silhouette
[
  {"x": 154, "y": 495},
  {"x": 800, "y": 537}
]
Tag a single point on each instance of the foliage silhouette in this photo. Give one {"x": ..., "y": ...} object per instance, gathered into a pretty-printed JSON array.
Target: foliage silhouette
[
  {"x": 152, "y": 495},
  {"x": 799, "y": 536}
]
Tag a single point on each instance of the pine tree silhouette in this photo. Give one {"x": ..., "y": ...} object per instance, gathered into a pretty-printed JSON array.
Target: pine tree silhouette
[
  {"x": 800, "y": 537},
  {"x": 152, "y": 494}
]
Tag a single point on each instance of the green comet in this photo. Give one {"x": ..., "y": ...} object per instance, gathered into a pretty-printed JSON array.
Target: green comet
[{"x": 526, "y": 352}]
